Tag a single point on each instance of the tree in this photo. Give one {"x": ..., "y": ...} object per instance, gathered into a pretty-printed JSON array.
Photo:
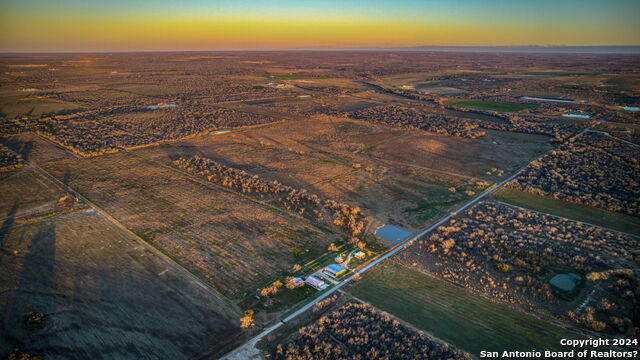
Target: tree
[
  {"x": 247, "y": 320},
  {"x": 502, "y": 267}
]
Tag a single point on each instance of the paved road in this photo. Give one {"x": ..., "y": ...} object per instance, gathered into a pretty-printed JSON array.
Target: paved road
[
  {"x": 243, "y": 349},
  {"x": 251, "y": 343}
]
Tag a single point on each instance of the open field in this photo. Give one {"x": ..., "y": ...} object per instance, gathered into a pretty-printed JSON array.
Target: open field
[
  {"x": 12, "y": 106},
  {"x": 35, "y": 148},
  {"x": 102, "y": 295},
  {"x": 468, "y": 322},
  {"x": 489, "y": 105},
  {"x": 500, "y": 150},
  {"x": 329, "y": 165},
  {"x": 616, "y": 221},
  {"x": 558, "y": 73},
  {"x": 25, "y": 189},
  {"x": 233, "y": 243},
  {"x": 296, "y": 76}
]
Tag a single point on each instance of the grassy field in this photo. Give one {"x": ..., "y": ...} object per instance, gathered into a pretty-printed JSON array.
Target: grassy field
[
  {"x": 616, "y": 221},
  {"x": 450, "y": 313},
  {"x": 18, "y": 105},
  {"x": 489, "y": 105}
]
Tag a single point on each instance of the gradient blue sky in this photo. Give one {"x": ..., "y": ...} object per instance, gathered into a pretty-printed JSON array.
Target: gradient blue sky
[{"x": 68, "y": 25}]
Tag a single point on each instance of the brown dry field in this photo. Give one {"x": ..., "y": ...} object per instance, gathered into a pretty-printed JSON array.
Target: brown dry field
[
  {"x": 25, "y": 190},
  {"x": 319, "y": 154},
  {"x": 104, "y": 295},
  {"x": 232, "y": 242},
  {"x": 91, "y": 278},
  {"x": 498, "y": 149},
  {"x": 36, "y": 148}
]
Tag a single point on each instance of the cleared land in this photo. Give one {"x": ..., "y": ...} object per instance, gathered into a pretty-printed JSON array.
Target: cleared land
[
  {"x": 24, "y": 190},
  {"x": 235, "y": 244},
  {"x": 15, "y": 105},
  {"x": 468, "y": 322},
  {"x": 329, "y": 165},
  {"x": 489, "y": 105},
  {"x": 616, "y": 221},
  {"x": 35, "y": 148},
  {"x": 102, "y": 295}
]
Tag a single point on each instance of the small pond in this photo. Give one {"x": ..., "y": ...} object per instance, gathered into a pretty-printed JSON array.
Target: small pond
[
  {"x": 565, "y": 282},
  {"x": 546, "y": 99},
  {"x": 579, "y": 116},
  {"x": 161, "y": 106},
  {"x": 393, "y": 234}
]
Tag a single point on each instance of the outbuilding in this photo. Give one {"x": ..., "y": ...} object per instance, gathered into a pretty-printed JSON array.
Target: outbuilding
[
  {"x": 334, "y": 270},
  {"x": 315, "y": 283}
]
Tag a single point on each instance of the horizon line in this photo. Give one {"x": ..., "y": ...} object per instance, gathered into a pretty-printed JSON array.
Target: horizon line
[{"x": 566, "y": 49}]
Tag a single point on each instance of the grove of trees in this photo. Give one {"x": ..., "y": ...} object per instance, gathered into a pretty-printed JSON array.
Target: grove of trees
[
  {"x": 592, "y": 170},
  {"x": 8, "y": 160}
]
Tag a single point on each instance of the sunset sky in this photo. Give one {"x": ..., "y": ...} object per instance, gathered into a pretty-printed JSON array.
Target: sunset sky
[{"x": 122, "y": 25}]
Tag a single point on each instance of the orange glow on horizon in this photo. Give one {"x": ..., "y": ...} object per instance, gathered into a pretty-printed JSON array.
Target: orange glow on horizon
[{"x": 194, "y": 32}]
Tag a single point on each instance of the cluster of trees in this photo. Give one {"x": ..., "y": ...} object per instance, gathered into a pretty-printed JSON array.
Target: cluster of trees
[
  {"x": 95, "y": 133},
  {"x": 19, "y": 354},
  {"x": 593, "y": 170},
  {"x": 504, "y": 252},
  {"x": 629, "y": 135},
  {"x": 318, "y": 105},
  {"x": 627, "y": 117},
  {"x": 358, "y": 331},
  {"x": 9, "y": 160},
  {"x": 271, "y": 289},
  {"x": 414, "y": 119},
  {"x": 10, "y": 127},
  {"x": 525, "y": 123},
  {"x": 349, "y": 219},
  {"x": 529, "y": 125},
  {"x": 619, "y": 309}
]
